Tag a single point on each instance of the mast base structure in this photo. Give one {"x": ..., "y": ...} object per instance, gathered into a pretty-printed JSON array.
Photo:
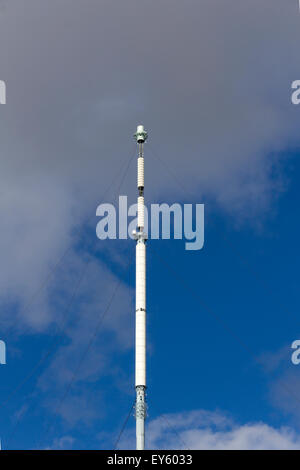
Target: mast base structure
[
  {"x": 140, "y": 314},
  {"x": 140, "y": 416}
]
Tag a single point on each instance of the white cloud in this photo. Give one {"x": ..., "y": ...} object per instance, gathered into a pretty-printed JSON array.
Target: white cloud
[
  {"x": 284, "y": 381},
  {"x": 213, "y": 93},
  {"x": 204, "y": 430},
  {"x": 97, "y": 327}
]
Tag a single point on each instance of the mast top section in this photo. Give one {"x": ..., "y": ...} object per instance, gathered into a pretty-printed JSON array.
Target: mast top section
[{"x": 140, "y": 135}]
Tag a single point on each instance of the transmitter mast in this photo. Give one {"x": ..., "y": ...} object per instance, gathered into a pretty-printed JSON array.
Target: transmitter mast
[{"x": 140, "y": 313}]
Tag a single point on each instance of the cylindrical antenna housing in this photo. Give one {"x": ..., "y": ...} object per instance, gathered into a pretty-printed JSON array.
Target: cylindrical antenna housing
[
  {"x": 140, "y": 178},
  {"x": 140, "y": 135},
  {"x": 141, "y": 213}
]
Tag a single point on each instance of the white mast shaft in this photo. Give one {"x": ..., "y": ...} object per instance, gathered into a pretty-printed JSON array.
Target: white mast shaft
[
  {"x": 140, "y": 319},
  {"x": 140, "y": 313}
]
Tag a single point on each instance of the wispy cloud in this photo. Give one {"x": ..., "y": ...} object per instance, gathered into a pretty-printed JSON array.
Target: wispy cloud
[
  {"x": 201, "y": 429},
  {"x": 283, "y": 381}
]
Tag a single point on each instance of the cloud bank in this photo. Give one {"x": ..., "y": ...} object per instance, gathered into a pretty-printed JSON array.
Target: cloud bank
[
  {"x": 210, "y": 80},
  {"x": 205, "y": 430}
]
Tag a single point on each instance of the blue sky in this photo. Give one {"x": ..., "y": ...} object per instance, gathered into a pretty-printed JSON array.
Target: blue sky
[
  {"x": 247, "y": 278},
  {"x": 214, "y": 95}
]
